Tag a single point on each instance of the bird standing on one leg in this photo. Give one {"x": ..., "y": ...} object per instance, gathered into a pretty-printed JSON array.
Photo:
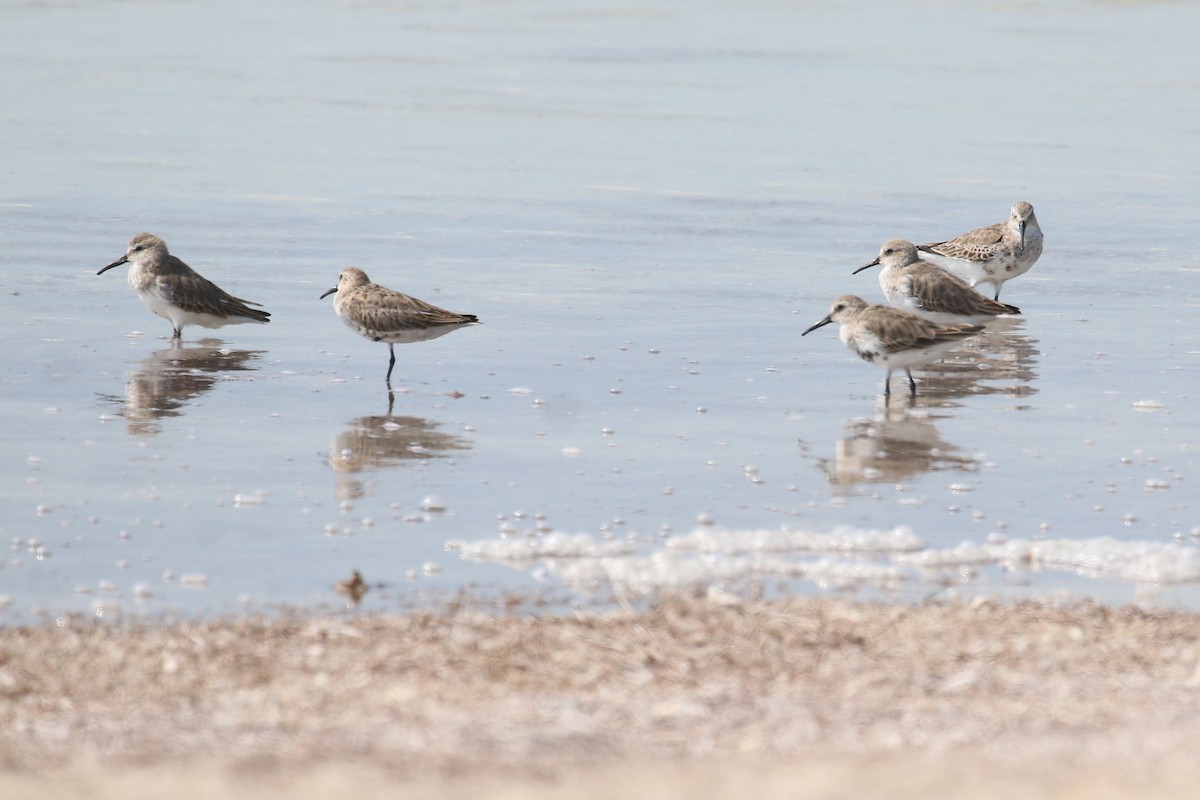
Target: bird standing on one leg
[
  {"x": 177, "y": 293},
  {"x": 384, "y": 315}
]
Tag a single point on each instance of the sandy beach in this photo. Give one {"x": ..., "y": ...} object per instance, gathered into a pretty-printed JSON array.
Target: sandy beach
[{"x": 795, "y": 698}]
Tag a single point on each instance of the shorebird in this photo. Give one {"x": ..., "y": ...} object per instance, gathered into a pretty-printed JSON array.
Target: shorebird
[
  {"x": 176, "y": 292},
  {"x": 353, "y": 587},
  {"x": 385, "y": 315},
  {"x": 994, "y": 254},
  {"x": 890, "y": 337},
  {"x": 928, "y": 291}
]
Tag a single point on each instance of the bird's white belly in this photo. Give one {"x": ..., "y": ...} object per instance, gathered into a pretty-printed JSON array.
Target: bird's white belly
[
  {"x": 869, "y": 348},
  {"x": 915, "y": 358},
  {"x": 973, "y": 272},
  {"x": 903, "y": 300},
  {"x": 160, "y": 304}
]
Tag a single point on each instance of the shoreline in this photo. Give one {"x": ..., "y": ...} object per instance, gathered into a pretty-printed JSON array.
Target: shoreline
[{"x": 685, "y": 696}]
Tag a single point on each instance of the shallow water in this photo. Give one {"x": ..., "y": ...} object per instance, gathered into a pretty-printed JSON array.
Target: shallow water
[{"x": 645, "y": 205}]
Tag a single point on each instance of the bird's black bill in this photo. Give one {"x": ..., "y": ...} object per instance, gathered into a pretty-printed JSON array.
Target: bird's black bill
[
  {"x": 820, "y": 324},
  {"x": 331, "y": 291},
  {"x": 117, "y": 263},
  {"x": 874, "y": 263}
]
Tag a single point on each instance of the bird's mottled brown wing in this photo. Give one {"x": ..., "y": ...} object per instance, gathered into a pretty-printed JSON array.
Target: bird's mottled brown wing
[
  {"x": 976, "y": 245},
  {"x": 939, "y": 291},
  {"x": 899, "y": 331},
  {"x": 196, "y": 294},
  {"x": 397, "y": 311}
]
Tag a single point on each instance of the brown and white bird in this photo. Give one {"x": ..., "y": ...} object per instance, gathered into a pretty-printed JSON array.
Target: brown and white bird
[
  {"x": 384, "y": 315},
  {"x": 928, "y": 291},
  {"x": 892, "y": 338},
  {"x": 177, "y": 293},
  {"x": 994, "y": 254}
]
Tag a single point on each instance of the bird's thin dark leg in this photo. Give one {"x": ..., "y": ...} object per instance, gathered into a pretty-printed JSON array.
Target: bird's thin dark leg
[
  {"x": 912, "y": 385},
  {"x": 178, "y": 333},
  {"x": 391, "y": 363},
  {"x": 887, "y": 383}
]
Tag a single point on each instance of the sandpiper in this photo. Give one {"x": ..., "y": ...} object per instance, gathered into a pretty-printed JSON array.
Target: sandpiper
[
  {"x": 385, "y": 315},
  {"x": 994, "y": 254},
  {"x": 353, "y": 587},
  {"x": 891, "y": 337},
  {"x": 920, "y": 287},
  {"x": 176, "y": 292}
]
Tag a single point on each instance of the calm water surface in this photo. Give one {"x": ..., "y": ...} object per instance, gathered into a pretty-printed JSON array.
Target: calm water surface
[{"x": 645, "y": 204}]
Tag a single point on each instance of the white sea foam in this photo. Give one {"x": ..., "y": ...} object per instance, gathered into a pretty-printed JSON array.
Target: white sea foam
[
  {"x": 673, "y": 571},
  {"x": 840, "y": 539},
  {"x": 837, "y": 572},
  {"x": 659, "y": 571},
  {"x": 709, "y": 557},
  {"x": 1139, "y": 562},
  {"x": 550, "y": 545}
]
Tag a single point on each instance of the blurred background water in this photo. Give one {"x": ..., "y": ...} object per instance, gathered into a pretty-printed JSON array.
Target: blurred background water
[{"x": 645, "y": 204}]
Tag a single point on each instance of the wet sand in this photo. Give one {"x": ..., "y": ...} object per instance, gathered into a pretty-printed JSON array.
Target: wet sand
[{"x": 796, "y": 698}]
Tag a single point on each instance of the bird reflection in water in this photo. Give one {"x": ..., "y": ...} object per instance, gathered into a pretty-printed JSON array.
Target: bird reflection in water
[
  {"x": 1001, "y": 360},
  {"x": 386, "y": 440},
  {"x": 169, "y": 378},
  {"x": 902, "y": 440}
]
